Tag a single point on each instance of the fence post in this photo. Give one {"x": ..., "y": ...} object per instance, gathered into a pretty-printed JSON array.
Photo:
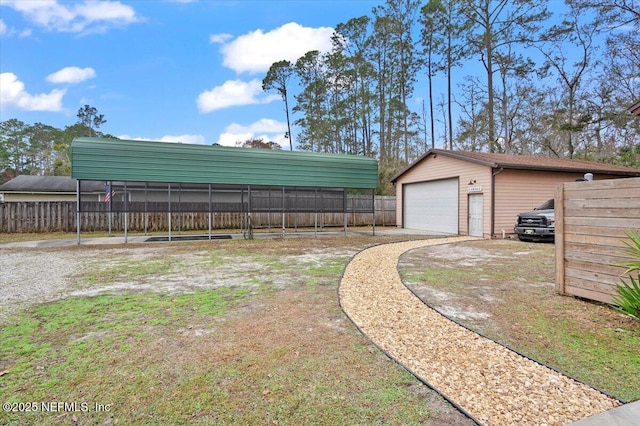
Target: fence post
[{"x": 559, "y": 237}]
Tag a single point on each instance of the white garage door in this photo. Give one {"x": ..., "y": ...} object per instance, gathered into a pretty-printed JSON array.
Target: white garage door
[{"x": 432, "y": 206}]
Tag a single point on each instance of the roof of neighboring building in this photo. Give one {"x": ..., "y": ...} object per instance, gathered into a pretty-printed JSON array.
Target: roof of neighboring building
[
  {"x": 525, "y": 162},
  {"x": 149, "y": 161},
  {"x": 30, "y": 183},
  {"x": 635, "y": 109}
]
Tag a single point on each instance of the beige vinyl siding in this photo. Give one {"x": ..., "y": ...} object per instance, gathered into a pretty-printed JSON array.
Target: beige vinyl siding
[
  {"x": 519, "y": 191},
  {"x": 16, "y": 197},
  {"x": 437, "y": 167}
]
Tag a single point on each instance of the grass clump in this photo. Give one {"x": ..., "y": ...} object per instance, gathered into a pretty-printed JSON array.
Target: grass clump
[{"x": 261, "y": 347}]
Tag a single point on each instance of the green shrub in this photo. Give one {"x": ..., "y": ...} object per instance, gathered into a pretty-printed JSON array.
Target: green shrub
[{"x": 627, "y": 298}]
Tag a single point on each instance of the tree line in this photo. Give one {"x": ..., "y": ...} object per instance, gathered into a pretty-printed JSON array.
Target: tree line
[
  {"x": 505, "y": 76},
  {"x": 545, "y": 83},
  {"x": 41, "y": 149}
]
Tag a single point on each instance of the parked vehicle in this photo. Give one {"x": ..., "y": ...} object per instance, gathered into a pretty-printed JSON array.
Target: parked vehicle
[{"x": 538, "y": 224}]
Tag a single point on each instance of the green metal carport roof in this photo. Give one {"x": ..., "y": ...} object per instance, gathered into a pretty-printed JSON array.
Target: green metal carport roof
[{"x": 150, "y": 161}]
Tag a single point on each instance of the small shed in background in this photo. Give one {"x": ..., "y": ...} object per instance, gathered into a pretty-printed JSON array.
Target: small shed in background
[{"x": 47, "y": 188}]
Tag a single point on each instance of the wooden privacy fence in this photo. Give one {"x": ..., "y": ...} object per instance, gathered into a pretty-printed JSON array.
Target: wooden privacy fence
[
  {"x": 60, "y": 216},
  {"x": 592, "y": 223}
]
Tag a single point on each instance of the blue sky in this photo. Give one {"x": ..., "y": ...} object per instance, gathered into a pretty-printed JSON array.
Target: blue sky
[{"x": 187, "y": 71}]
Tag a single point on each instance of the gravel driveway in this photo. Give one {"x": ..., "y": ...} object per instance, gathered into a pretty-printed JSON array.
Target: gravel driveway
[
  {"x": 490, "y": 382},
  {"x": 33, "y": 276}
]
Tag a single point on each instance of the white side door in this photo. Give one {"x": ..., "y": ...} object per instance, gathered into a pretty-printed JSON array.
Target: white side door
[{"x": 476, "y": 202}]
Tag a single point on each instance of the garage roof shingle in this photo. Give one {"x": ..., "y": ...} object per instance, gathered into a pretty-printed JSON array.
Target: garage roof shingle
[
  {"x": 524, "y": 162},
  {"x": 32, "y": 183}
]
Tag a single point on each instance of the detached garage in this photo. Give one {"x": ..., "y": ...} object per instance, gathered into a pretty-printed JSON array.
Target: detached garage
[{"x": 481, "y": 194}]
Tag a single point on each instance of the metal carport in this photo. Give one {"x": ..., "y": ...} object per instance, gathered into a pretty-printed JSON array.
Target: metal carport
[{"x": 248, "y": 177}]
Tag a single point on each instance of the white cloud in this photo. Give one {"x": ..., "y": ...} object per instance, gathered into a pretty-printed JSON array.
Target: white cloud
[
  {"x": 192, "y": 139},
  {"x": 233, "y": 139},
  {"x": 254, "y": 52},
  {"x": 186, "y": 138},
  {"x": 13, "y": 94},
  {"x": 233, "y": 93},
  {"x": 265, "y": 129},
  {"x": 92, "y": 16},
  {"x": 71, "y": 75},
  {"x": 3, "y": 27},
  {"x": 219, "y": 38},
  {"x": 263, "y": 125}
]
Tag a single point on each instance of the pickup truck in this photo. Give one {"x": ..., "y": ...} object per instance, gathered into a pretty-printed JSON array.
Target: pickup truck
[{"x": 538, "y": 224}]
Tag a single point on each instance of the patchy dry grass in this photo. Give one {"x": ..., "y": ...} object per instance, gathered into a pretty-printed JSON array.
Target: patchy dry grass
[
  {"x": 260, "y": 340},
  {"x": 250, "y": 332},
  {"x": 506, "y": 291}
]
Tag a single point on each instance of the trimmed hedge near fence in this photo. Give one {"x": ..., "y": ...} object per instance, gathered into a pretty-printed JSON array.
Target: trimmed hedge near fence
[{"x": 60, "y": 216}]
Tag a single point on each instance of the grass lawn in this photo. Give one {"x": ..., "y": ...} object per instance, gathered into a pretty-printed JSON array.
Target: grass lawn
[
  {"x": 250, "y": 332},
  {"x": 264, "y": 343},
  {"x": 505, "y": 290}
]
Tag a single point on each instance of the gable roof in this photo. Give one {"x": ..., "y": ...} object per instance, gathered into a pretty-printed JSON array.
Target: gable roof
[
  {"x": 30, "y": 183},
  {"x": 149, "y": 161},
  {"x": 526, "y": 162}
]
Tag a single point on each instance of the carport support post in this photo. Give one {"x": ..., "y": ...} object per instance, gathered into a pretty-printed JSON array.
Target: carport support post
[
  {"x": 126, "y": 213},
  {"x": 110, "y": 191},
  {"x": 315, "y": 220},
  {"x": 169, "y": 209},
  {"x": 209, "y": 211},
  {"x": 269, "y": 209},
  {"x": 295, "y": 215},
  {"x": 78, "y": 211},
  {"x": 249, "y": 229},
  {"x": 283, "y": 228},
  {"x": 344, "y": 210},
  {"x": 242, "y": 213},
  {"x": 180, "y": 215},
  {"x": 373, "y": 210},
  {"x": 146, "y": 214}
]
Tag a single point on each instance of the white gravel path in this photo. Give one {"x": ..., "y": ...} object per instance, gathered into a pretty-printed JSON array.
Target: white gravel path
[{"x": 490, "y": 382}]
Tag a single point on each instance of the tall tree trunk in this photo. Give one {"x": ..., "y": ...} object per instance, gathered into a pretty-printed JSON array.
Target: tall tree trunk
[
  {"x": 449, "y": 100},
  {"x": 490, "y": 92}
]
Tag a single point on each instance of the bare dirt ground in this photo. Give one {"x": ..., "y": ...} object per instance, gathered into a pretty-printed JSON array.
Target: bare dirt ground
[
  {"x": 299, "y": 317},
  {"x": 505, "y": 290},
  {"x": 31, "y": 276},
  {"x": 485, "y": 285},
  {"x": 502, "y": 289}
]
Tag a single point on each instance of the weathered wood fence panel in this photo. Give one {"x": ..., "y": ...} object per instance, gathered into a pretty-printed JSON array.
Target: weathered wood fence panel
[
  {"x": 60, "y": 216},
  {"x": 593, "y": 220}
]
